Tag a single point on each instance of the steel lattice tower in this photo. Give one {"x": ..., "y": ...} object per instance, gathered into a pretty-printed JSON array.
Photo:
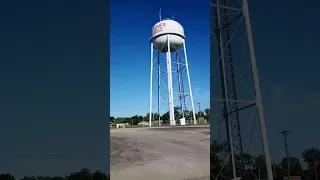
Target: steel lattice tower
[
  {"x": 226, "y": 17},
  {"x": 182, "y": 96},
  {"x": 228, "y": 86}
]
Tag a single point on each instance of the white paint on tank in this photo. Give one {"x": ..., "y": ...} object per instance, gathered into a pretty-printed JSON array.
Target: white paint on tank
[{"x": 162, "y": 30}]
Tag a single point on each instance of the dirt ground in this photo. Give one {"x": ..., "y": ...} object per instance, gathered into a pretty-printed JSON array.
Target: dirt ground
[{"x": 163, "y": 153}]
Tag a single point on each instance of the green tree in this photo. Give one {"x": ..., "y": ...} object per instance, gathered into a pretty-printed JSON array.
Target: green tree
[
  {"x": 259, "y": 162},
  {"x": 29, "y": 178},
  {"x": 245, "y": 159},
  {"x": 177, "y": 113},
  {"x": 99, "y": 176},
  {"x": 135, "y": 120},
  {"x": 165, "y": 116},
  {"x": 207, "y": 114},
  {"x": 83, "y": 174},
  {"x": 312, "y": 158},
  {"x": 57, "y": 178},
  {"x": 153, "y": 115},
  {"x": 190, "y": 115},
  {"x": 6, "y": 177},
  {"x": 200, "y": 114},
  {"x": 278, "y": 171},
  {"x": 112, "y": 119},
  {"x": 215, "y": 161},
  {"x": 295, "y": 166},
  {"x": 260, "y": 166},
  {"x": 311, "y": 155}
]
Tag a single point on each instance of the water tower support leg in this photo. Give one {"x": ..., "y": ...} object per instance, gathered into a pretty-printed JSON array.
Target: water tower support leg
[
  {"x": 151, "y": 70},
  {"x": 159, "y": 76},
  {"x": 170, "y": 89},
  {"x": 263, "y": 128},
  {"x": 190, "y": 88}
]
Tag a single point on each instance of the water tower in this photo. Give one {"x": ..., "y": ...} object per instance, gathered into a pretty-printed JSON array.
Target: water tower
[{"x": 169, "y": 77}]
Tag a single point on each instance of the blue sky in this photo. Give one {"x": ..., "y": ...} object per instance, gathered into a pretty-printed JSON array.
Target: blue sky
[
  {"x": 131, "y": 26},
  {"x": 286, "y": 40}
]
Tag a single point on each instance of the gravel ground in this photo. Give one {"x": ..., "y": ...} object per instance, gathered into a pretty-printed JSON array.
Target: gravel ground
[{"x": 163, "y": 153}]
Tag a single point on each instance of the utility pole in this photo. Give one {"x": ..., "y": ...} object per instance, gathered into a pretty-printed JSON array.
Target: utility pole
[
  {"x": 199, "y": 109},
  {"x": 285, "y": 135}
]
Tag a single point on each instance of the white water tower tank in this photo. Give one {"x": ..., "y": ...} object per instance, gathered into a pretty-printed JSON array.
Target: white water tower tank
[{"x": 162, "y": 30}]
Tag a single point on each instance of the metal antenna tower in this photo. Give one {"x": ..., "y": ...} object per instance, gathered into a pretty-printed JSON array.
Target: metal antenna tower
[
  {"x": 182, "y": 95},
  {"x": 285, "y": 136},
  {"x": 226, "y": 17}
]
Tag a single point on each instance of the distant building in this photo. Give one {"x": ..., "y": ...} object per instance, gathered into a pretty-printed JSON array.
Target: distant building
[
  {"x": 202, "y": 120},
  {"x": 156, "y": 123},
  {"x": 120, "y": 125},
  {"x": 182, "y": 121},
  {"x": 143, "y": 123}
]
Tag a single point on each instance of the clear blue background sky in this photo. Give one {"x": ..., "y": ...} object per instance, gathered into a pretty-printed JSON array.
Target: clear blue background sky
[
  {"x": 131, "y": 27},
  {"x": 287, "y": 46},
  {"x": 286, "y": 38},
  {"x": 54, "y": 86}
]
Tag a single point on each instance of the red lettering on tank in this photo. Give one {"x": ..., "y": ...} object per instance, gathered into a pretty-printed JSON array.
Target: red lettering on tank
[{"x": 158, "y": 28}]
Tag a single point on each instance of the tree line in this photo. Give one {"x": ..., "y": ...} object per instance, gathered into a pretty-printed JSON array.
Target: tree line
[
  {"x": 134, "y": 120},
  {"x": 251, "y": 167},
  {"x": 83, "y": 174}
]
